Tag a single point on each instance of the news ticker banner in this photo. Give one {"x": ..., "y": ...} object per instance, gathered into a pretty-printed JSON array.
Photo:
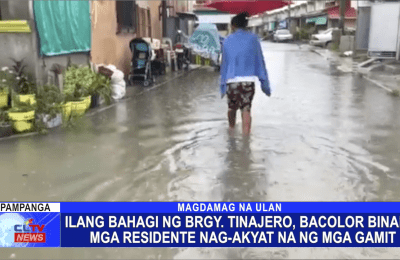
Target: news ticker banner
[{"x": 200, "y": 224}]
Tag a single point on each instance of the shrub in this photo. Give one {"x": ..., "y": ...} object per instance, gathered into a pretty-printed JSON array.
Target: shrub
[{"x": 78, "y": 81}]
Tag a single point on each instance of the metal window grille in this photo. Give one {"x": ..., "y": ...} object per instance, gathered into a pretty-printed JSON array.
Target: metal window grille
[{"x": 126, "y": 16}]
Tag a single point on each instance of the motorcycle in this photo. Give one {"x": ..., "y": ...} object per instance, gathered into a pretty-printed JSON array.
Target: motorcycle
[{"x": 182, "y": 50}]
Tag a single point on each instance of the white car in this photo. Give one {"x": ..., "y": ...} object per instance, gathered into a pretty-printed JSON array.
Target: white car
[
  {"x": 322, "y": 39},
  {"x": 282, "y": 35}
]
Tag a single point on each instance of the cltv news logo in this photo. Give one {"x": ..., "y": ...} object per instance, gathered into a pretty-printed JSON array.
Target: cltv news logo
[{"x": 29, "y": 233}]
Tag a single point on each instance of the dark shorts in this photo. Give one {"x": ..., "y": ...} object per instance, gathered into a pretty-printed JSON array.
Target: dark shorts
[{"x": 240, "y": 95}]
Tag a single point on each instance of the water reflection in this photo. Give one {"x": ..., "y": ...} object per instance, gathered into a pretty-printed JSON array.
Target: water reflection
[{"x": 242, "y": 180}]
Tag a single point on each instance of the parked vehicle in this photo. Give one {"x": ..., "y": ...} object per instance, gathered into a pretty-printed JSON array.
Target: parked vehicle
[
  {"x": 322, "y": 39},
  {"x": 282, "y": 35},
  {"x": 141, "y": 61}
]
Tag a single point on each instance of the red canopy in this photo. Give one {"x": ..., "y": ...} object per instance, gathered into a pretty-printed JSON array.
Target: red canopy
[{"x": 253, "y": 7}]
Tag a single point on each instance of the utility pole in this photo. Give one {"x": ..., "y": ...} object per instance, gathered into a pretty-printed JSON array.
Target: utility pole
[
  {"x": 164, "y": 17},
  {"x": 289, "y": 6},
  {"x": 342, "y": 15}
]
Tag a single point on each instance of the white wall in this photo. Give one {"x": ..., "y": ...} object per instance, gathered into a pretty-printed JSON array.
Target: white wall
[
  {"x": 255, "y": 22},
  {"x": 218, "y": 18},
  {"x": 319, "y": 5}
]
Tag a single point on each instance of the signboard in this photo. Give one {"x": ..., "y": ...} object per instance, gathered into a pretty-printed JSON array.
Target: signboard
[
  {"x": 322, "y": 20},
  {"x": 283, "y": 24}
]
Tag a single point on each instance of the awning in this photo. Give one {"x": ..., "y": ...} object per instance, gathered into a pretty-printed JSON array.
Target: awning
[
  {"x": 187, "y": 15},
  {"x": 253, "y": 7},
  {"x": 321, "y": 20}
]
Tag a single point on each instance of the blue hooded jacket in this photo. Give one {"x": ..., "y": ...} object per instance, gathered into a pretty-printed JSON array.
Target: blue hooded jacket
[{"x": 242, "y": 56}]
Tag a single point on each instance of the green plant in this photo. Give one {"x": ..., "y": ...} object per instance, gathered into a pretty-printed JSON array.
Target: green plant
[
  {"x": 335, "y": 47},
  {"x": 23, "y": 83},
  {"x": 4, "y": 117},
  {"x": 78, "y": 81},
  {"x": 78, "y": 93},
  {"x": 22, "y": 107},
  {"x": 26, "y": 86},
  {"x": 7, "y": 80},
  {"x": 49, "y": 99},
  {"x": 102, "y": 87},
  {"x": 19, "y": 67},
  {"x": 303, "y": 34},
  {"x": 395, "y": 92}
]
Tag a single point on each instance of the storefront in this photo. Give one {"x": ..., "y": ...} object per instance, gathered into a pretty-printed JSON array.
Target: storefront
[
  {"x": 272, "y": 26},
  {"x": 318, "y": 21},
  {"x": 256, "y": 24}
]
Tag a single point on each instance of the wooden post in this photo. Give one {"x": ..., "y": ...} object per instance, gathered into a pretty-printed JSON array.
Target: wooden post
[{"x": 164, "y": 17}]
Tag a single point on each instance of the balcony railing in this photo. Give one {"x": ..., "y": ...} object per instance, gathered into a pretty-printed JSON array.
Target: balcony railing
[{"x": 331, "y": 3}]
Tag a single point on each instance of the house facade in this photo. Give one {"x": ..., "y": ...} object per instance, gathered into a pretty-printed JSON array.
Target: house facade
[
  {"x": 105, "y": 30},
  {"x": 210, "y": 15},
  {"x": 320, "y": 14},
  {"x": 116, "y": 23},
  {"x": 26, "y": 45}
]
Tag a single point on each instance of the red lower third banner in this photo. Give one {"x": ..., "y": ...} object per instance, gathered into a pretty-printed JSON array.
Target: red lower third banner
[{"x": 30, "y": 237}]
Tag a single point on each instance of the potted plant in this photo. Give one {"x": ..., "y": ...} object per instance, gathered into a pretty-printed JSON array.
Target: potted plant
[
  {"x": 7, "y": 81},
  {"x": 24, "y": 89},
  {"x": 77, "y": 84},
  {"x": 5, "y": 126},
  {"x": 22, "y": 116},
  {"x": 100, "y": 89},
  {"x": 78, "y": 100},
  {"x": 49, "y": 106}
]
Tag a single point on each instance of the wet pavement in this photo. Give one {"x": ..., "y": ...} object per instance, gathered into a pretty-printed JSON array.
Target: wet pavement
[{"x": 324, "y": 135}]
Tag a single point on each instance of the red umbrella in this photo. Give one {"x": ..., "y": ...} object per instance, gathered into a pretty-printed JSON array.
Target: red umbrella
[{"x": 252, "y": 7}]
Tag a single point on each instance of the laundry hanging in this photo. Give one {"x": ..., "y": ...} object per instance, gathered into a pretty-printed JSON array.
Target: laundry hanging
[{"x": 63, "y": 27}]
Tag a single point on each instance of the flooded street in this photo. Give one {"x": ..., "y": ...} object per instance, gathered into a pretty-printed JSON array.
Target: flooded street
[{"x": 324, "y": 135}]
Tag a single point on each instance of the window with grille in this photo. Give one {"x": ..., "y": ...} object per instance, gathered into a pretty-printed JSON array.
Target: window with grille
[
  {"x": 222, "y": 26},
  {"x": 126, "y": 16}
]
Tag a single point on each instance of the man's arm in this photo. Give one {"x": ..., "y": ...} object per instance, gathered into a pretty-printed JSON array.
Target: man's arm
[
  {"x": 262, "y": 69},
  {"x": 224, "y": 69}
]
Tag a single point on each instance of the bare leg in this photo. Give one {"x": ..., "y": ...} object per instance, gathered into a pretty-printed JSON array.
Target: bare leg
[
  {"x": 246, "y": 122},
  {"x": 232, "y": 118}
]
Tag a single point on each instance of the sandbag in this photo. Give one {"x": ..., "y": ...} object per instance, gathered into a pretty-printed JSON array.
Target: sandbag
[
  {"x": 117, "y": 81},
  {"x": 117, "y": 76},
  {"x": 118, "y": 89}
]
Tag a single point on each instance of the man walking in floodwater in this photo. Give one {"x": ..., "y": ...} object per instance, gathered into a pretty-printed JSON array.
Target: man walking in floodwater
[{"x": 242, "y": 63}]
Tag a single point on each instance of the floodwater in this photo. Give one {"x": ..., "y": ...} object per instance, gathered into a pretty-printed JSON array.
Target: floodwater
[{"x": 324, "y": 135}]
